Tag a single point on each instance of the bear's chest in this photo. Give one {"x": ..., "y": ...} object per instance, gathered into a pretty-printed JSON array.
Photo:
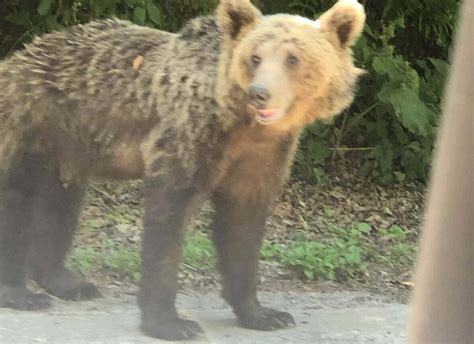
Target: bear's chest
[{"x": 253, "y": 161}]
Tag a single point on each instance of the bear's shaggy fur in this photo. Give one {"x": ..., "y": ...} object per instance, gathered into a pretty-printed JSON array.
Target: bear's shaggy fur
[{"x": 213, "y": 111}]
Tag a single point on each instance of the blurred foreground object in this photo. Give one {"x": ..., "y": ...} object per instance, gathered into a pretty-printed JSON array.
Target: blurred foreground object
[{"x": 442, "y": 310}]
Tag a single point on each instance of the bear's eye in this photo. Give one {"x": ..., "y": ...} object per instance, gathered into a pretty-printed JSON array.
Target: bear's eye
[
  {"x": 255, "y": 60},
  {"x": 292, "y": 61}
]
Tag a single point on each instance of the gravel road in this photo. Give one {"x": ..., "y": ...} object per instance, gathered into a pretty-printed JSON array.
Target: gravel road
[{"x": 342, "y": 317}]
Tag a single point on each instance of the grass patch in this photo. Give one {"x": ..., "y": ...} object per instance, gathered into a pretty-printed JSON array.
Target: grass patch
[
  {"x": 343, "y": 253},
  {"x": 120, "y": 260},
  {"x": 84, "y": 259},
  {"x": 199, "y": 251},
  {"x": 340, "y": 254},
  {"x": 124, "y": 261},
  {"x": 398, "y": 251}
]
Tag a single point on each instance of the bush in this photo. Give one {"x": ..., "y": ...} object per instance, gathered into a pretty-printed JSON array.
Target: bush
[{"x": 392, "y": 123}]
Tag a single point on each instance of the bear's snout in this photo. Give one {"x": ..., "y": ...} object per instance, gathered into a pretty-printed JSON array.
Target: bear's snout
[{"x": 259, "y": 96}]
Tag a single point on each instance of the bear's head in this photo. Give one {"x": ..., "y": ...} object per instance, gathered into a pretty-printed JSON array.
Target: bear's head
[{"x": 293, "y": 70}]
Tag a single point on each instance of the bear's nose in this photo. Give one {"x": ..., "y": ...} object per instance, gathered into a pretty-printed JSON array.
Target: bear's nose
[{"x": 259, "y": 96}]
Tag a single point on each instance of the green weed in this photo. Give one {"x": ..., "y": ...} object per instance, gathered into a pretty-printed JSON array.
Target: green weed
[
  {"x": 199, "y": 251},
  {"x": 124, "y": 261},
  {"x": 343, "y": 253},
  {"x": 338, "y": 258}
]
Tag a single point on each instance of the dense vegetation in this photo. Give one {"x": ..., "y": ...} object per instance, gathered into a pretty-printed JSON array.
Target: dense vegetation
[{"x": 405, "y": 48}]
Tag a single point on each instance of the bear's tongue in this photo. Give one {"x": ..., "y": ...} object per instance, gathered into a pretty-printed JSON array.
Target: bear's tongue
[{"x": 267, "y": 112}]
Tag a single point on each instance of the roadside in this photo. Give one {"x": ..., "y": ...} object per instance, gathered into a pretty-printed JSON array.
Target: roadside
[
  {"x": 344, "y": 234},
  {"x": 333, "y": 318}
]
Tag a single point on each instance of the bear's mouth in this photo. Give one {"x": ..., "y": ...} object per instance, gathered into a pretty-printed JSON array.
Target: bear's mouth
[{"x": 269, "y": 116}]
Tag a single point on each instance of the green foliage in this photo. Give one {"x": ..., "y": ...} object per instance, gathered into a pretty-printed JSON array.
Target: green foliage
[
  {"x": 392, "y": 123},
  {"x": 121, "y": 260},
  {"x": 83, "y": 259},
  {"x": 124, "y": 260},
  {"x": 404, "y": 48},
  {"x": 399, "y": 252},
  {"x": 339, "y": 258},
  {"x": 345, "y": 253},
  {"x": 199, "y": 252}
]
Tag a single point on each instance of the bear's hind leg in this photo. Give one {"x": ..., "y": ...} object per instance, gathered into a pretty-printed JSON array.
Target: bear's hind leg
[
  {"x": 56, "y": 210},
  {"x": 15, "y": 239}
]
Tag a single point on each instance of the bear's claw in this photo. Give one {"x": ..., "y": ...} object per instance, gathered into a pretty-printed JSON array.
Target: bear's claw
[
  {"x": 176, "y": 329},
  {"x": 268, "y": 319},
  {"x": 22, "y": 299}
]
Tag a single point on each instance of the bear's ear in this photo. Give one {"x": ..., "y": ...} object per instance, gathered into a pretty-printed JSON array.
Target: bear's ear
[
  {"x": 236, "y": 17},
  {"x": 346, "y": 20}
]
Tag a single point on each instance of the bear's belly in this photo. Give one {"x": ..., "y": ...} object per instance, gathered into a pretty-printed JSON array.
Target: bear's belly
[{"x": 122, "y": 161}]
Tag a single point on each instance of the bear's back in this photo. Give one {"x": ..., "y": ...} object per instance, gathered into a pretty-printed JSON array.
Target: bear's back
[
  {"x": 83, "y": 59},
  {"x": 113, "y": 70}
]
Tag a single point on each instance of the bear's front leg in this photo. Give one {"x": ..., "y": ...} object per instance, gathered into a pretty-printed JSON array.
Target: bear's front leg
[
  {"x": 166, "y": 209},
  {"x": 238, "y": 228}
]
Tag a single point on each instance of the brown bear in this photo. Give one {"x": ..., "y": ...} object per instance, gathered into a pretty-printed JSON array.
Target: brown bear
[{"x": 213, "y": 111}]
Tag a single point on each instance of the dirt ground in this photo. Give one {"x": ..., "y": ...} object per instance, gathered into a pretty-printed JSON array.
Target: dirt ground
[
  {"x": 332, "y": 318},
  {"x": 343, "y": 199}
]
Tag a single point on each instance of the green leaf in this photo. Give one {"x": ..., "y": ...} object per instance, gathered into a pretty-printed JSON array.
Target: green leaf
[
  {"x": 19, "y": 18},
  {"x": 388, "y": 6},
  {"x": 139, "y": 15},
  {"x": 441, "y": 66},
  {"x": 299, "y": 251},
  {"x": 354, "y": 255},
  {"x": 386, "y": 158},
  {"x": 381, "y": 128},
  {"x": 99, "y": 6},
  {"x": 318, "y": 174},
  {"x": 400, "y": 176},
  {"x": 364, "y": 227},
  {"x": 44, "y": 7},
  {"x": 134, "y": 3},
  {"x": 130, "y": 3},
  {"x": 412, "y": 112},
  {"x": 397, "y": 71},
  {"x": 52, "y": 22},
  {"x": 382, "y": 65},
  {"x": 154, "y": 13},
  {"x": 402, "y": 137},
  {"x": 309, "y": 274},
  {"x": 319, "y": 151}
]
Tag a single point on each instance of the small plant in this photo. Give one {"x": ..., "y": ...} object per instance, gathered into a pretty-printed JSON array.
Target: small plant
[
  {"x": 199, "y": 251},
  {"x": 125, "y": 261},
  {"x": 399, "y": 252},
  {"x": 84, "y": 259},
  {"x": 338, "y": 258},
  {"x": 347, "y": 252},
  {"x": 344, "y": 253}
]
